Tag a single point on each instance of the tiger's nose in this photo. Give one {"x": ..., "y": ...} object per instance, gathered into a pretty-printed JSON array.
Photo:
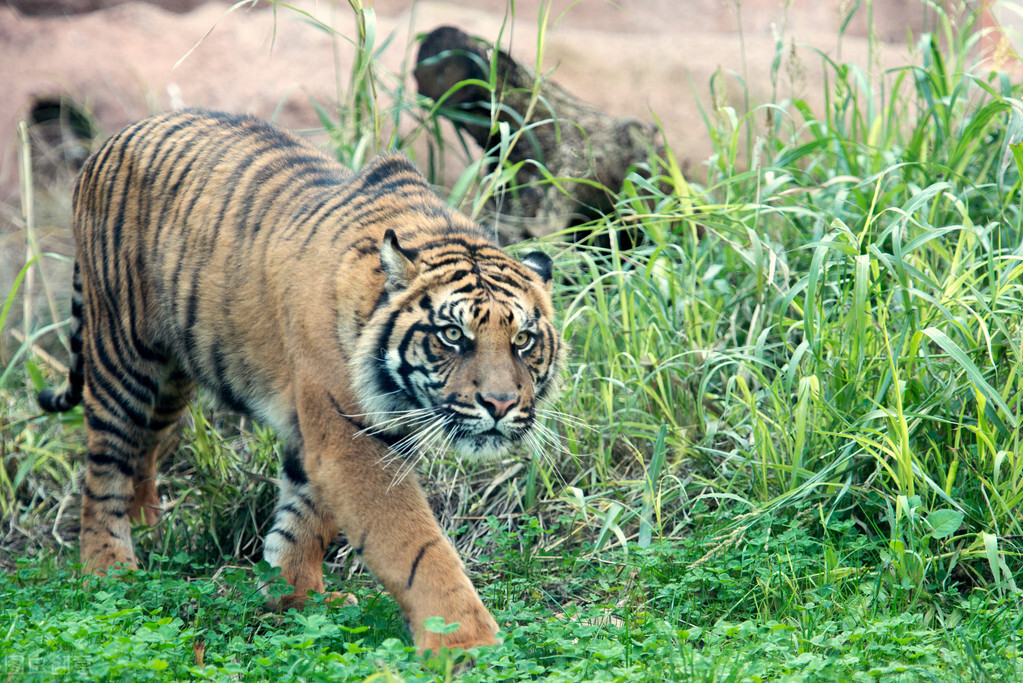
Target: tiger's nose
[{"x": 497, "y": 405}]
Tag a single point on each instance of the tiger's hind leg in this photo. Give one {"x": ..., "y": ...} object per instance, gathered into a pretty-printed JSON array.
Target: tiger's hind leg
[
  {"x": 129, "y": 421},
  {"x": 164, "y": 434},
  {"x": 301, "y": 532},
  {"x": 116, "y": 438}
]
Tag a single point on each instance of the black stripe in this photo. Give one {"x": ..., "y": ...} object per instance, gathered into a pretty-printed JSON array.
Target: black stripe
[
  {"x": 288, "y": 536},
  {"x": 479, "y": 247},
  {"x": 140, "y": 386},
  {"x": 106, "y": 460},
  {"x": 307, "y": 501},
  {"x": 293, "y": 468},
  {"x": 415, "y": 562},
  {"x": 367, "y": 210},
  {"x": 161, "y": 155},
  {"x": 366, "y": 246},
  {"x": 112, "y": 177},
  {"x": 97, "y": 423},
  {"x": 384, "y": 167},
  {"x": 406, "y": 371},
  {"x": 256, "y": 153},
  {"x": 387, "y": 383},
  {"x": 361, "y": 208},
  {"x": 219, "y": 377},
  {"x": 172, "y": 191},
  {"x": 288, "y": 507},
  {"x": 314, "y": 214},
  {"x": 372, "y": 207},
  {"x": 198, "y": 266},
  {"x": 88, "y": 493},
  {"x": 119, "y": 405},
  {"x": 196, "y": 240},
  {"x": 362, "y": 543},
  {"x": 290, "y": 189},
  {"x": 337, "y": 406}
]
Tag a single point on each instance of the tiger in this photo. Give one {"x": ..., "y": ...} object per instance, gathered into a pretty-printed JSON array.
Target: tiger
[{"x": 355, "y": 313}]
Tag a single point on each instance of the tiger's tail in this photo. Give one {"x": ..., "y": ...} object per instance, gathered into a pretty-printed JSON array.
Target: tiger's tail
[{"x": 59, "y": 401}]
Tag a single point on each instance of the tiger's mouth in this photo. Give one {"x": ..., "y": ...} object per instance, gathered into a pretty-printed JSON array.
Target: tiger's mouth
[
  {"x": 493, "y": 443},
  {"x": 481, "y": 437}
]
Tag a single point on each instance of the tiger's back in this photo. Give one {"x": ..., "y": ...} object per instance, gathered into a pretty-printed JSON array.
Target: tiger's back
[
  {"x": 219, "y": 250},
  {"x": 219, "y": 223}
]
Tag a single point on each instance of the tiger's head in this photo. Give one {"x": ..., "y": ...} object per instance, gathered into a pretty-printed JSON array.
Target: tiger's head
[{"x": 461, "y": 348}]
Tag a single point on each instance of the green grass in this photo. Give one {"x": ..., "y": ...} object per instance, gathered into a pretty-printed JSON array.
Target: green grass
[
  {"x": 792, "y": 433},
  {"x": 773, "y": 607}
]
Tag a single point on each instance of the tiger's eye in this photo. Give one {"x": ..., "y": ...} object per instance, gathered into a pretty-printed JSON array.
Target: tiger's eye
[
  {"x": 522, "y": 339},
  {"x": 452, "y": 333}
]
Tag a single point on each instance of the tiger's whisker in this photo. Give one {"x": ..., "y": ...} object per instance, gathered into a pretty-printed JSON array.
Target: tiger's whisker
[
  {"x": 564, "y": 418},
  {"x": 435, "y": 439},
  {"x": 549, "y": 436},
  {"x": 413, "y": 441},
  {"x": 411, "y": 418}
]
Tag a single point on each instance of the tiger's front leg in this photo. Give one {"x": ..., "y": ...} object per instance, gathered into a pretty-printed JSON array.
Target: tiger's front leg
[
  {"x": 301, "y": 532},
  {"x": 391, "y": 527}
]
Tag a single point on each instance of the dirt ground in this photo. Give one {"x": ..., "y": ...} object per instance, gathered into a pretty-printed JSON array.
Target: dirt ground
[{"x": 638, "y": 58}]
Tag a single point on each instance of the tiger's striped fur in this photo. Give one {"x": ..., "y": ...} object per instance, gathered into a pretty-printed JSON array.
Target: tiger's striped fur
[{"x": 355, "y": 313}]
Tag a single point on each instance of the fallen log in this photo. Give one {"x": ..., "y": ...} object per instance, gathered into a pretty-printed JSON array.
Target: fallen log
[{"x": 586, "y": 152}]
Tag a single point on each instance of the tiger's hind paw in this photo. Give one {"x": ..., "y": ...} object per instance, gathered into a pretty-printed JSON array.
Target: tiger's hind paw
[
  {"x": 298, "y": 602},
  {"x": 336, "y": 599}
]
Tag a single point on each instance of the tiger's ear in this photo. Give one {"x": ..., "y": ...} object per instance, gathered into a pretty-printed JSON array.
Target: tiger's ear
[
  {"x": 399, "y": 264},
  {"x": 541, "y": 264}
]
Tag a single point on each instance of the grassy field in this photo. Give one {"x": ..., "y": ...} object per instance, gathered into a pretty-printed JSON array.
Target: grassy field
[{"x": 791, "y": 429}]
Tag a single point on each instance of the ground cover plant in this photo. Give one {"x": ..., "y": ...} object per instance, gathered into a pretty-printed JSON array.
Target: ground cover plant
[{"x": 791, "y": 425}]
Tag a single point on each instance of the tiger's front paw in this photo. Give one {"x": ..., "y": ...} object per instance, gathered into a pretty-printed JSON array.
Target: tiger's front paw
[{"x": 477, "y": 630}]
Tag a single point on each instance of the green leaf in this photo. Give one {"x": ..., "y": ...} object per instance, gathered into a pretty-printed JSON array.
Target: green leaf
[
  {"x": 438, "y": 625},
  {"x": 265, "y": 572},
  {"x": 464, "y": 182},
  {"x": 944, "y": 523},
  {"x": 609, "y": 526},
  {"x": 158, "y": 664},
  {"x": 1017, "y": 155},
  {"x": 991, "y": 552}
]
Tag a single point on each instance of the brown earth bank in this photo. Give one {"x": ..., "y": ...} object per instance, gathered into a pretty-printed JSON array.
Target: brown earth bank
[{"x": 639, "y": 58}]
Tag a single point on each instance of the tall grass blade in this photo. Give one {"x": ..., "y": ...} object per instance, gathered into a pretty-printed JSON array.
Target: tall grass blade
[
  {"x": 972, "y": 371},
  {"x": 650, "y": 484}
]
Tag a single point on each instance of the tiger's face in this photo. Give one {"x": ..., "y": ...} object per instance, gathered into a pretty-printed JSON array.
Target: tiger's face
[{"x": 461, "y": 350}]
